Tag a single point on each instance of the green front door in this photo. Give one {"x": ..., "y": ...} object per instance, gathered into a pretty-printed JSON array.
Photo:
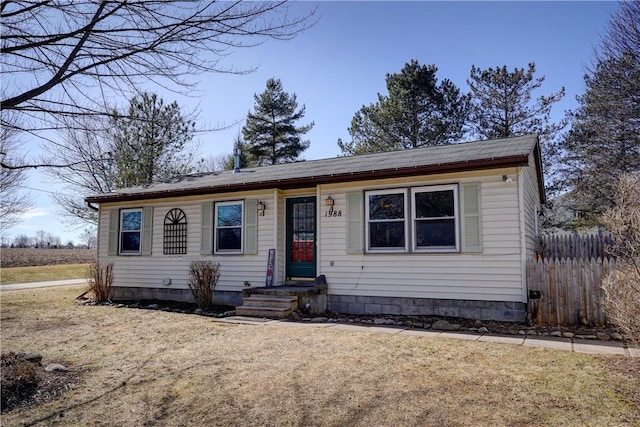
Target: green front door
[{"x": 301, "y": 237}]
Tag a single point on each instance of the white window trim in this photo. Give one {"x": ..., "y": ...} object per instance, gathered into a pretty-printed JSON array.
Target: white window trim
[
  {"x": 456, "y": 217},
  {"x": 368, "y": 247},
  {"x": 139, "y": 231},
  {"x": 216, "y": 228}
]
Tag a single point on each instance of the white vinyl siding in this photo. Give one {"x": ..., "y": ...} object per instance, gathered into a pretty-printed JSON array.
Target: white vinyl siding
[
  {"x": 531, "y": 201},
  {"x": 148, "y": 272},
  {"x": 487, "y": 268}
]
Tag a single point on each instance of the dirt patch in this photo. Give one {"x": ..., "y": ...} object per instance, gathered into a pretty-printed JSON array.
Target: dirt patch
[{"x": 25, "y": 381}]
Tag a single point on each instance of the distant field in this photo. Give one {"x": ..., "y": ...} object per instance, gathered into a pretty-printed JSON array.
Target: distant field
[{"x": 25, "y": 257}]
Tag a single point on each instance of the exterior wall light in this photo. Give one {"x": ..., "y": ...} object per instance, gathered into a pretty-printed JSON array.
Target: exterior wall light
[
  {"x": 329, "y": 201},
  {"x": 261, "y": 208},
  {"x": 506, "y": 178}
]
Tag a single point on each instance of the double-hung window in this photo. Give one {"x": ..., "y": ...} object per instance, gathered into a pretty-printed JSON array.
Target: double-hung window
[
  {"x": 386, "y": 213},
  {"x": 228, "y": 227},
  {"x": 435, "y": 218},
  {"x": 130, "y": 231}
]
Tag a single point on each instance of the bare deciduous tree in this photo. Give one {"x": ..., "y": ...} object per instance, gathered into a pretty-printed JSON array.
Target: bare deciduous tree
[
  {"x": 149, "y": 141},
  {"x": 14, "y": 202},
  {"x": 622, "y": 287},
  {"x": 89, "y": 237},
  {"x": 22, "y": 241},
  {"x": 62, "y": 59}
]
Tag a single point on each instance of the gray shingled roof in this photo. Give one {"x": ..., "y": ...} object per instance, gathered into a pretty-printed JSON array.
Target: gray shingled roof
[{"x": 448, "y": 158}]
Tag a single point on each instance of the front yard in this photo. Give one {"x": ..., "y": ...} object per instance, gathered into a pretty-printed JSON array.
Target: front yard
[{"x": 139, "y": 367}]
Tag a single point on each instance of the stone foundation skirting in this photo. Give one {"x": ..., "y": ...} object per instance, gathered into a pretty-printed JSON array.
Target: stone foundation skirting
[
  {"x": 469, "y": 309},
  {"x": 120, "y": 293}
]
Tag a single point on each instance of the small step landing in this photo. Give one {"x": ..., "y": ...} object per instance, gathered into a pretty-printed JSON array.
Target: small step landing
[{"x": 270, "y": 306}]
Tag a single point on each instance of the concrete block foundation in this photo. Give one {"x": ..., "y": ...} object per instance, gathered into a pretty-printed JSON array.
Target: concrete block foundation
[
  {"x": 121, "y": 293},
  {"x": 349, "y": 304},
  {"x": 469, "y": 309}
]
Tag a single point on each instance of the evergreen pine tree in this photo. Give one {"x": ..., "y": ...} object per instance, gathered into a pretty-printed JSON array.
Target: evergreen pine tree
[
  {"x": 503, "y": 106},
  {"x": 604, "y": 141},
  {"x": 149, "y": 142},
  {"x": 271, "y": 131},
  {"x": 417, "y": 112}
]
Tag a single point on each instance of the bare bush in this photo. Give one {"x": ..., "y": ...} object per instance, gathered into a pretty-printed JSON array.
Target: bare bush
[
  {"x": 203, "y": 278},
  {"x": 622, "y": 287},
  {"x": 100, "y": 281}
]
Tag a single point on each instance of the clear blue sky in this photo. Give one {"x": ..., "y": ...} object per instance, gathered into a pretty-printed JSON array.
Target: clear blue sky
[{"x": 339, "y": 65}]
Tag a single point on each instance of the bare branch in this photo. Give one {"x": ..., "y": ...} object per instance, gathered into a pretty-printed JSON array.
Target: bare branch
[{"x": 64, "y": 59}]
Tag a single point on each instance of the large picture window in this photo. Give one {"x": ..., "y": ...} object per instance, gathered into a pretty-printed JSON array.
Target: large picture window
[
  {"x": 228, "y": 227},
  {"x": 130, "y": 231},
  {"x": 435, "y": 218},
  {"x": 386, "y": 213}
]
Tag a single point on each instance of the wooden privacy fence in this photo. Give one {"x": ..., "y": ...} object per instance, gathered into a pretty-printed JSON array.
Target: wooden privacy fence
[
  {"x": 574, "y": 246},
  {"x": 571, "y": 289}
]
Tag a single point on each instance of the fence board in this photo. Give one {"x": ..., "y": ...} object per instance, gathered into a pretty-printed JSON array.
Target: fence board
[
  {"x": 571, "y": 289},
  {"x": 573, "y": 246}
]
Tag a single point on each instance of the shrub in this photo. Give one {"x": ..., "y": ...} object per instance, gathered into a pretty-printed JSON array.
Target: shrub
[
  {"x": 622, "y": 287},
  {"x": 100, "y": 281},
  {"x": 203, "y": 278}
]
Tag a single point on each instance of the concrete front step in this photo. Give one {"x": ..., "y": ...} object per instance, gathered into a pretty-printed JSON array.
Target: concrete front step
[
  {"x": 288, "y": 302},
  {"x": 271, "y": 306},
  {"x": 269, "y": 312}
]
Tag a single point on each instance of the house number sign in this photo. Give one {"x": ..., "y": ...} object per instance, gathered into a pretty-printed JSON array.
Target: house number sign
[{"x": 332, "y": 212}]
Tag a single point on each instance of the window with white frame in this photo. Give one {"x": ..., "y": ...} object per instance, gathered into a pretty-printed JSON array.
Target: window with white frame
[
  {"x": 386, "y": 214},
  {"x": 130, "y": 231},
  {"x": 435, "y": 218},
  {"x": 228, "y": 227}
]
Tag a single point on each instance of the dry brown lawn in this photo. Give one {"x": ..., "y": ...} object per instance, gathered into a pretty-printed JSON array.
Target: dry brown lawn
[
  {"x": 43, "y": 273},
  {"x": 160, "y": 368}
]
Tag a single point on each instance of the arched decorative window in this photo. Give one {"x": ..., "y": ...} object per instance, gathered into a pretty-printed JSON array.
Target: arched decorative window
[{"x": 175, "y": 233}]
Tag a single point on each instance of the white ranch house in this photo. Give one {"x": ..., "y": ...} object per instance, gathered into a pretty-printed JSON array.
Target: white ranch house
[{"x": 441, "y": 230}]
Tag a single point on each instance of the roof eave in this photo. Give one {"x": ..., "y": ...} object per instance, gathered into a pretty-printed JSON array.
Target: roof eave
[{"x": 471, "y": 165}]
